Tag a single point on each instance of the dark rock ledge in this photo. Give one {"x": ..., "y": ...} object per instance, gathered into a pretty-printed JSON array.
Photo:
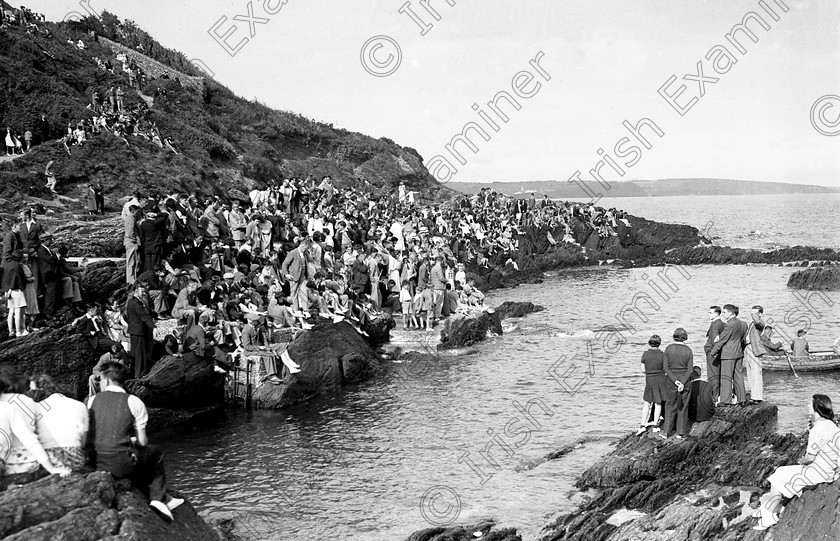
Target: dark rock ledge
[{"x": 699, "y": 488}]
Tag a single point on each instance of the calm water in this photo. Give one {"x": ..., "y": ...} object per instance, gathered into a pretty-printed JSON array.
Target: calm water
[
  {"x": 381, "y": 460},
  {"x": 764, "y": 222}
]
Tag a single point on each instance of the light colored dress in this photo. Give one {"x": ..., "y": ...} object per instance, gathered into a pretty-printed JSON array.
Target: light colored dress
[{"x": 824, "y": 442}]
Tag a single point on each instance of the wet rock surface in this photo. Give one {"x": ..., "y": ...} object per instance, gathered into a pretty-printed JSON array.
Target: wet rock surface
[
  {"x": 466, "y": 533},
  {"x": 517, "y": 309},
  {"x": 816, "y": 279},
  {"x": 329, "y": 356},
  {"x": 463, "y": 330},
  {"x": 91, "y": 507},
  {"x": 179, "y": 382}
]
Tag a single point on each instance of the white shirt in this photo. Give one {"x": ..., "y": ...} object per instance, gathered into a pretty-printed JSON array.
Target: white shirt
[
  {"x": 62, "y": 422},
  {"x": 135, "y": 406},
  {"x": 17, "y": 431}
]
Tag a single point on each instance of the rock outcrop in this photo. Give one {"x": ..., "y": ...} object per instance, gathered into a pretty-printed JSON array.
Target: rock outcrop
[
  {"x": 65, "y": 356},
  {"x": 185, "y": 382},
  {"x": 517, "y": 309},
  {"x": 483, "y": 530},
  {"x": 92, "y": 507},
  {"x": 695, "y": 488},
  {"x": 329, "y": 356},
  {"x": 463, "y": 330},
  {"x": 816, "y": 279}
]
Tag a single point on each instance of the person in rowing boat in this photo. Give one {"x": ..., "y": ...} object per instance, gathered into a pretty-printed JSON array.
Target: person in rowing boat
[
  {"x": 799, "y": 346},
  {"x": 773, "y": 348}
]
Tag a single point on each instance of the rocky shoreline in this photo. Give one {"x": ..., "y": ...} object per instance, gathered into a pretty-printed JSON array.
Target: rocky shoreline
[{"x": 702, "y": 487}]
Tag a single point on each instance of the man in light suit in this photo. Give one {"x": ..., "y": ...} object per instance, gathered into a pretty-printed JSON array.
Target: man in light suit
[
  {"x": 753, "y": 353},
  {"x": 294, "y": 269},
  {"x": 730, "y": 346}
]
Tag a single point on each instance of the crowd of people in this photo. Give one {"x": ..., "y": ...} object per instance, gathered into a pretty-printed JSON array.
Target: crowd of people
[
  {"x": 45, "y": 432},
  {"x": 675, "y": 396},
  {"x": 734, "y": 350}
]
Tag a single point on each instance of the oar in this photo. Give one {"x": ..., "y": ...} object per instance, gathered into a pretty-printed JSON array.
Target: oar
[{"x": 790, "y": 364}]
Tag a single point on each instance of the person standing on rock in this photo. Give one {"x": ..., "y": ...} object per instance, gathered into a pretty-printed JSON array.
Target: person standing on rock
[
  {"x": 14, "y": 282},
  {"x": 295, "y": 271},
  {"x": 152, "y": 233},
  {"x": 141, "y": 328},
  {"x": 678, "y": 364},
  {"x": 656, "y": 384},
  {"x": 132, "y": 245},
  {"x": 110, "y": 95},
  {"x": 713, "y": 362},
  {"x": 730, "y": 347},
  {"x": 753, "y": 352},
  {"x": 116, "y": 418},
  {"x": 437, "y": 279},
  {"x": 48, "y": 267}
]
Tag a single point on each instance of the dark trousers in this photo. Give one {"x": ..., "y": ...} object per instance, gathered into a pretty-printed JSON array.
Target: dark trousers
[
  {"x": 143, "y": 466},
  {"x": 713, "y": 373},
  {"x": 677, "y": 407},
  {"x": 732, "y": 375},
  {"x": 151, "y": 256},
  {"x": 50, "y": 288},
  {"x": 141, "y": 353}
]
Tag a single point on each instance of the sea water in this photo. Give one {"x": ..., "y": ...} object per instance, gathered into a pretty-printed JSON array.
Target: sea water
[{"x": 463, "y": 438}]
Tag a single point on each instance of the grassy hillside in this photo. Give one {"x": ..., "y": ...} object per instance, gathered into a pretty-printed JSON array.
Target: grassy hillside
[{"x": 225, "y": 142}]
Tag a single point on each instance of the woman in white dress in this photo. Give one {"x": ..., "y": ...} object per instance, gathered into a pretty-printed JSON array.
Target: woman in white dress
[{"x": 819, "y": 465}]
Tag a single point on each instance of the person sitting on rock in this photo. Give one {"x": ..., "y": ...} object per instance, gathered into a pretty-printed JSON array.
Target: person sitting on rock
[
  {"x": 22, "y": 453},
  {"x": 62, "y": 424},
  {"x": 115, "y": 354},
  {"x": 819, "y": 465},
  {"x": 121, "y": 446},
  {"x": 253, "y": 339},
  {"x": 95, "y": 330}
]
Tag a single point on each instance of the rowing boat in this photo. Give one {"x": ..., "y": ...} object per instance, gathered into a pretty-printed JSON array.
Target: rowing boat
[{"x": 817, "y": 361}]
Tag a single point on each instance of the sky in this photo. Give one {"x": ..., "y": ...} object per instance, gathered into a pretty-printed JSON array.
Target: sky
[{"x": 772, "y": 115}]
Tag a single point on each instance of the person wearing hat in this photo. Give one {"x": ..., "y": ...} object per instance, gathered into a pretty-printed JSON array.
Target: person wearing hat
[
  {"x": 141, "y": 328},
  {"x": 678, "y": 365},
  {"x": 152, "y": 233},
  {"x": 48, "y": 268}
]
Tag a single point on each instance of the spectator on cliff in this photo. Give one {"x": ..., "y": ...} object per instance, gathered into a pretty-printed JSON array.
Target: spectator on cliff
[
  {"x": 730, "y": 346},
  {"x": 678, "y": 365},
  {"x": 115, "y": 354},
  {"x": 151, "y": 234},
  {"x": 49, "y": 174},
  {"x": 656, "y": 385},
  {"x": 799, "y": 346},
  {"x": 48, "y": 269},
  {"x": 713, "y": 362},
  {"x": 91, "y": 199},
  {"x": 62, "y": 424},
  {"x": 69, "y": 278},
  {"x": 14, "y": 284},
  {"x": 10, "y": 142},
  {"x": 120, "y": 95},
  {"x": 22, "y": 454},
  {"x": 157, "y": 289},
  {"x": 93, "y": 327},
  {"x": 111, "y": 97},
  {"x": 141, "y": 328},
  {"x": 118, "y": 433},
  {"x": 27, "y": 139},
  {"x": 819, "y": 465},
  {"x": 753, "y": 354}
]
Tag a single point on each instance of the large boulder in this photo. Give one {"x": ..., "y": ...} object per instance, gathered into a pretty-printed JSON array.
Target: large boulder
[
  {"x": 329, "y": 356},
  {"x": 91, "y": 507},
  {"x": 466, "y": 533},
  {"x": 816, "y": 279},
  {"x": 179, "y": 382},
  {"x": 104, "y": 279},
  {"x": 463, "y": 330},
  {"x": 65, "y": 356}
]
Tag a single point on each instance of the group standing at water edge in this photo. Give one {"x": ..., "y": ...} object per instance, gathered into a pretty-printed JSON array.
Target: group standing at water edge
[{"x": 733, "y": 347}]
